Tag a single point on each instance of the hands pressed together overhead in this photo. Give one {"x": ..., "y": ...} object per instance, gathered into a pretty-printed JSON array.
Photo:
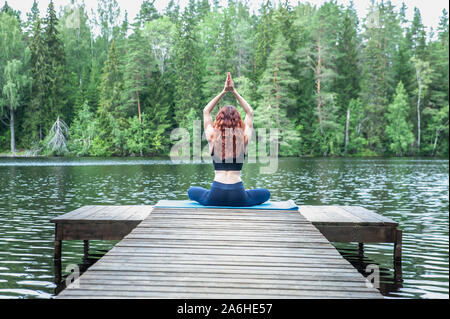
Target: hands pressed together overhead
[{"x": 229, "y": 85}]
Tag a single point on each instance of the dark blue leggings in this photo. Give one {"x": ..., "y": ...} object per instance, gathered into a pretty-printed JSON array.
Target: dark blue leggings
[{"x": 228, "y": 195}]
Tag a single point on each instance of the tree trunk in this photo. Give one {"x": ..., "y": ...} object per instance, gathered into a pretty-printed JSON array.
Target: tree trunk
[
  {"x": 418, "y": 118},
  {"x": 13, "y": 135},
  {"x": 435, "y": 141},
  {"x": 347, "y": 123},
  {"x": 138, "y": 101},
  {"x": 139, "y": 106},
  {"x": 277, "y": 96},
  {"x": 318, "y": 76}
]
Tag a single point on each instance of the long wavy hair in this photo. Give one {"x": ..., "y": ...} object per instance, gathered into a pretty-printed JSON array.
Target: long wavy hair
[{"x": 228, "y": 124}]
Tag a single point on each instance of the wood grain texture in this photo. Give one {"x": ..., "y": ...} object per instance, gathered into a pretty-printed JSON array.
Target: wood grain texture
[{"x": 226, "y": 253}]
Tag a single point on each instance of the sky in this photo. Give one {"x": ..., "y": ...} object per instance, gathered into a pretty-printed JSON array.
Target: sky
[{"x": 430, "y": 10}]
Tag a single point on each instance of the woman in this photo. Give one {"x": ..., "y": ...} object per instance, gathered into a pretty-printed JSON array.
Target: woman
[{"x": 228, "y": 137}]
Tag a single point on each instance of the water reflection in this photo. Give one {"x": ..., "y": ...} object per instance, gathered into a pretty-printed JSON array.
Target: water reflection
[{"x": 412, "y": 191}]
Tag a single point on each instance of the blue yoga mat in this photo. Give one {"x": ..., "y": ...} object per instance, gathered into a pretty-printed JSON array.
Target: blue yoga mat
[{"x": 286, "y": 205}]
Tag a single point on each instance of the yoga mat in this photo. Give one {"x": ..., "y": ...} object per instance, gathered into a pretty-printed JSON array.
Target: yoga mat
[{"x": 286, "y": 205}]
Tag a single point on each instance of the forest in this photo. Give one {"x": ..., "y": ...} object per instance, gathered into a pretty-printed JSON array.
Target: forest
[{"x": 79, "y": 83}]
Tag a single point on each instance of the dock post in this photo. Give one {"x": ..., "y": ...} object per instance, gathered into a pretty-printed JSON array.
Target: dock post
[
  {"x": 398, "y": 247},
  {"x": 57, "y": 254},
  {"x": 398, "y": 273},
  {"x": 86, "y": 248},
  {"x": 361, "y": 249}
]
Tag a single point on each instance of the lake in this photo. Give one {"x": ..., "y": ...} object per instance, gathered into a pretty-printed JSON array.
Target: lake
[{"x": 412, "y": 191}]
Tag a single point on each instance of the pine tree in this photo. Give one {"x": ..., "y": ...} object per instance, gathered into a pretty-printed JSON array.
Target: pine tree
[
  {"x": 32, "y": 17},
  {"x": 348, "y": 70},
  {"x": 111, "y": 114},
  {"x": 187, "y": 68},
  {"x": 275, "y": 90},
  {"x": 108, "y": 21},
  {"x": 55, "y": 69},
  {"x": 219, "y": 55},
  {"x": 36, "y": 113},
  {"x": 398, "y": 130},
  {"x": 82, "y": 131},
  {"x": 147, "y": 13},
  {"x": 382, "y": 33},
  {"x": 264, "y": 40},
  {"x": 416, "y": 35},
  {"x": 318, "y": 56},
  {"x": 172, "y": 11},
  {"x": 134, "y": 72}
]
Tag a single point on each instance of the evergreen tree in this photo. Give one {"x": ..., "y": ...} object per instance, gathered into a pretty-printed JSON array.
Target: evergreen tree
[
  {"x": 109, "y": 137},
  {"x": 382, "y": 33},
  {"x": 264, "y": 39},
  {"x": 54, "y": 70},
  {"x": 275, "y": 89},
  {"x": 348, "y": 70},
  {"x": 108, "y": 21},
  {"x": 35, "y": 116},
  {"x": 172, "y": 11},
  {"x": 135, "y": 74},
  {"x": 187, "y": 95},
  {"x": 416, "y": 35},
  {"x": 398, "y": 130},
  {"x": 76, "y": 38},
  {"x": 82, "y": 131},
  {"x": 32, "y": 17},
  {"x": 147, "y": 13}
]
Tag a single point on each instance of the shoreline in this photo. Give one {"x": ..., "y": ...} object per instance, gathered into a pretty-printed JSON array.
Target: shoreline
[{"x": 8, "y": 155}]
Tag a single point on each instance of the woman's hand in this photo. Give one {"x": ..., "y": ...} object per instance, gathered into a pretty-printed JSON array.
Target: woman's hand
[{"x": 229, "y": 85}]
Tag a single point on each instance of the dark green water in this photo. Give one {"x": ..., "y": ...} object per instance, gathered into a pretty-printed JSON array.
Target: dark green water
[{"x": 414, "y": 192}]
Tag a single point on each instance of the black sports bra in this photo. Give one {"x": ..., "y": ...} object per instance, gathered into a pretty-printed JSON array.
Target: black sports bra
[{"x": 223, "y": 166}]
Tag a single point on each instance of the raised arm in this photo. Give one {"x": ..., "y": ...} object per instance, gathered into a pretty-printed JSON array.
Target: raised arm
[
  {"x": 247, "y": 109},
  {"x": 248, "y": 121},
  {"x": 207, "y": 118},
  {"x": 229, "y": 87}
]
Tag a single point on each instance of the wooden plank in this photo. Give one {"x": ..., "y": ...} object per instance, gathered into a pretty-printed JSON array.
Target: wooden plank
[
  {"x": 311, "y": 234},
  {"x": 227, "y": 244},
  {"x": 71, "y": 214},
  {"x": 314, "y": 277},
  {"x": 208, "y": 250},
  {"x": 234, "y": 225},
  {"x": 369, "y": 215},
  {"x": 198, "y": 236},
  {"x": 240, "y": 259},
  {"x": 328, "y": 214},
  {"x": 106, "y": 276},
  {"x": 253, "y": 284},
  {"x": 120, "y": 294},
  {"x": 97, "y": 231},
  {"x": 105, "y": 213},
  {"x": 358, "y": 234},
  {"x": 342, "y": 215},
  {"x": 229, "y": 292}
]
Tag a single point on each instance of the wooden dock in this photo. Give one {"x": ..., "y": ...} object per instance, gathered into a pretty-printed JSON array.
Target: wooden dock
[
  {"x": 216, "y": 253},
  {"x": 355, "y": 224}
]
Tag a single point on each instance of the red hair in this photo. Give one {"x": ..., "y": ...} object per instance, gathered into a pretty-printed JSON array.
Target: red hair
[{"x": 228, "y": 122}]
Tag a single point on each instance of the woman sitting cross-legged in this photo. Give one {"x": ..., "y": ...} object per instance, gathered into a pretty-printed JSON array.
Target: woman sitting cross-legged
[{"x": 228, "y": 137}]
